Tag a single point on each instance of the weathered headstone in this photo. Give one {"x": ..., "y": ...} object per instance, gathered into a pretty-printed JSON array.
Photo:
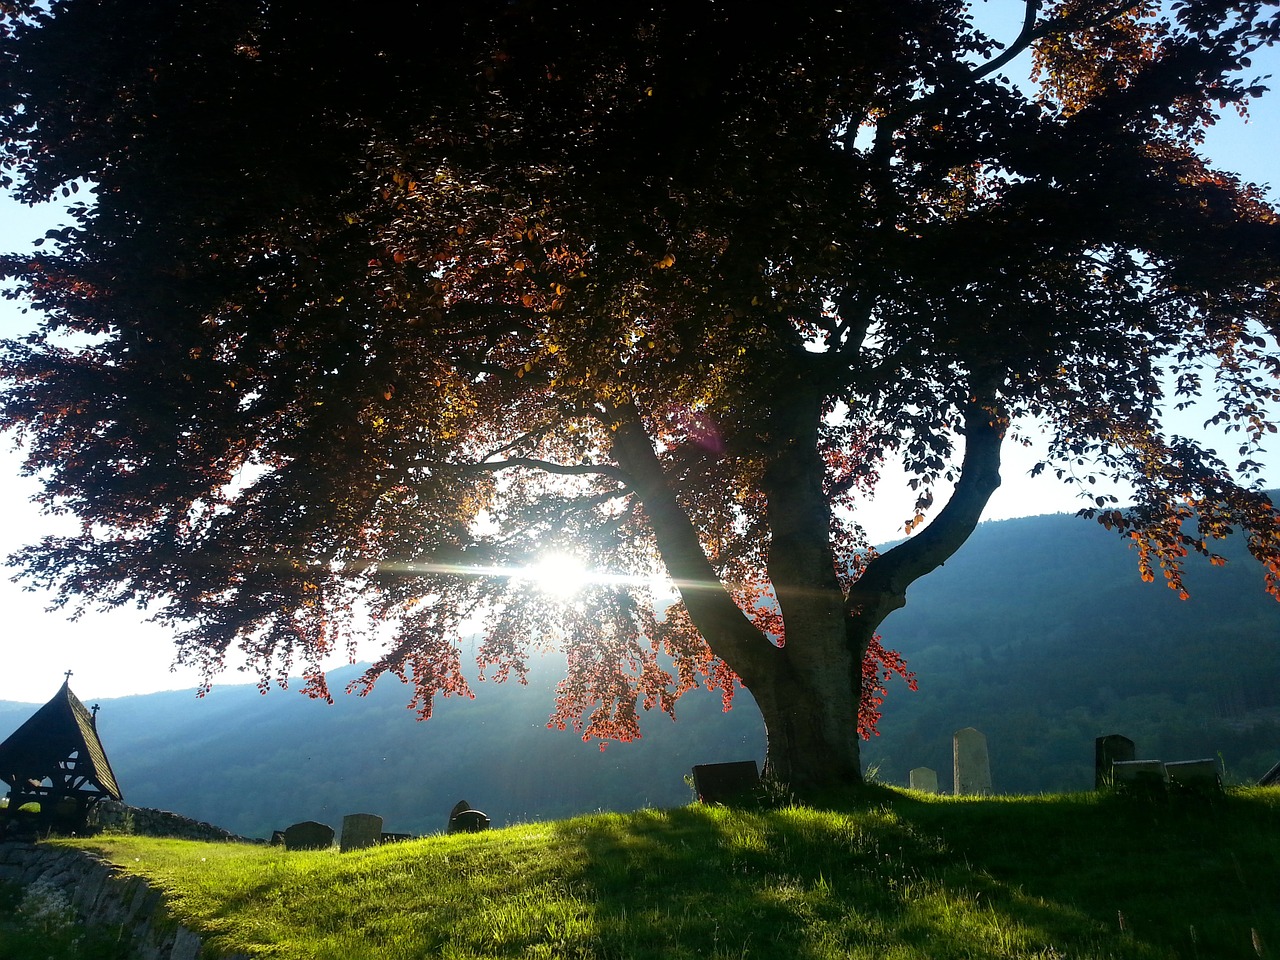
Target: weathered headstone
[
  {"x": 1106, "y": 751},
  {"x": 277, "y": 838},
  {"x": 463, "y": 819},
  {"x": 1139, "y": 777},
  {"x": 360, "y": 830},
  {"x": 308, "y": 835},
  {"x": 725, "y": 782},
  {"x": 924, "y": 779},
  {"x": 395, "y": 837},
  {"x": 468, "y": 821},
  {"x": 971, "y": 762},
  {"x": 1194, "y": 777}
]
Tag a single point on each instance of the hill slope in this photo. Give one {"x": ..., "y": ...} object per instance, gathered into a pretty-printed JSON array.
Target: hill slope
[{"x": 886, "y": 875}]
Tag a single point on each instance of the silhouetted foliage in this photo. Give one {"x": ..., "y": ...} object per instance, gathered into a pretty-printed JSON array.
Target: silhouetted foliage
[{"x": 359, "y": 320}]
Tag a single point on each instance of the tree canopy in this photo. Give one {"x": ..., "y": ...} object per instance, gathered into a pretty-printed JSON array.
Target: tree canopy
[{"x": 361, "y": 315}]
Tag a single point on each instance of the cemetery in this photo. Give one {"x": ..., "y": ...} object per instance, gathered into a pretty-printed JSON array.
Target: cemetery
[
  {"x": 61, "y": 782},
  {"x": 57, "y": 761}
]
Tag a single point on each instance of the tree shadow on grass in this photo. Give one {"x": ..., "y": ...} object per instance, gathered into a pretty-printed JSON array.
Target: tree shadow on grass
[
  {"x": 1192, "y": 878},
  {"x": 806, "y": 883}
]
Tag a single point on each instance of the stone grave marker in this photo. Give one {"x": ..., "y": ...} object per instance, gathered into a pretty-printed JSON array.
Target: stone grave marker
[
  {"x": 277, "y": 838},
  {"x": 725, "y": 782},
  {"x": 1140, "y": 777},
  {"x": 463, "y": 819},
  {"x": 360, "y": 830},
  {"x": 924, "y": 779},
  {"x": 972, "y": 764},
  {"x": 458, "y": 808},
  {"x": 395, "y": 837},
  {"x": 1194, "y": 777},
  {"x": 308, "y": 835},
  {"x": 1106, "y": 751}
]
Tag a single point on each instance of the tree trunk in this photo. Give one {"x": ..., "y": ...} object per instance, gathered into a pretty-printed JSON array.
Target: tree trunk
[
  {"x": 808, "y": 688},
  {"x": 810, "y": 698},
  {"x": 811, "y": 723}
]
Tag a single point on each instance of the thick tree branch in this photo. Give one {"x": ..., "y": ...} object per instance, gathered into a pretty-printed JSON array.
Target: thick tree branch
[
  {"x": 546, "y": 466},
  {"x": 1021, "y": 42},
  {"x": 883, "y": 587},
  {"x": 732, "y": 637},
  {"x": 1028, "y": 35}
]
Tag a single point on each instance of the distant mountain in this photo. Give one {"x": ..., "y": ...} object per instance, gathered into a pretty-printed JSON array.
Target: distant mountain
[
  {"x": 1039, "y": 633},
  {"x": 254, "y": 763}
]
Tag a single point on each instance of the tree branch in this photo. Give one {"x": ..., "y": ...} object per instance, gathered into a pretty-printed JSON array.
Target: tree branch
[
  {"x": 1021, "y": 42},
  {"x": 731, "y": 635},
  {"x": 883, "y": 587},
  {"x": 1028, "y": 35},
  {"x": 546, "y": 466}
]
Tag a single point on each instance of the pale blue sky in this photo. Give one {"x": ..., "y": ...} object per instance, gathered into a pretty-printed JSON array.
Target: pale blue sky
[{"x": 117, "y": 653}]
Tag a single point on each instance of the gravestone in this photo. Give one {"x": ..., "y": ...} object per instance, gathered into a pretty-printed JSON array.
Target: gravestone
[
  {"x": 725, "y": 782},
  {"x": 308, "y": 835},
  {"x": 1106, "y": 751},
  {"x": 1139, "y": 777},
  {"x": 360, "y": 830},
  {"x": 277, "y": 838},
  {"x": 924, "y": 779},
  {"x": 463, "y": 819},
  {"x": 468, "y": 821},
  {"x": 971, "y": 762},
  {"x": 395, "y": 837},
  {"x": 1194, "y": 777}
]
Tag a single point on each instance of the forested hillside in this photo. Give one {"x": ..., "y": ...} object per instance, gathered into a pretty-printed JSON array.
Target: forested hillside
[
  {"x": 253, "y": 764},
  {"x": 1040, "y": 633}
]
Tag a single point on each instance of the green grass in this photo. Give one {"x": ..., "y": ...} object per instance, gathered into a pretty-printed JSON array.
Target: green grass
[{"x": 893, "y": 875}]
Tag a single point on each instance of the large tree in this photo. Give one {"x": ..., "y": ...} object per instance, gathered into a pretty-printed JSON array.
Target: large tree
[{"x": 365, "y": 312}]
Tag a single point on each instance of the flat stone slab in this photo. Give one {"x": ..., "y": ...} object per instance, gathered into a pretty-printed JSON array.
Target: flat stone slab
[
  {"x": 725, "y": 782},
  {"x": 1195, "y": 776},
  {"x": 1140, "y": 777}
]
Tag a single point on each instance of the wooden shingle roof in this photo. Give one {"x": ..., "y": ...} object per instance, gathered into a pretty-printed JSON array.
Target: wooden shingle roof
[{"x": 41, "y": 748}]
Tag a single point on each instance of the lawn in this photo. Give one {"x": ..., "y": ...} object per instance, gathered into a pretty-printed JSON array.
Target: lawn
[{"x": 889, "y": 874}]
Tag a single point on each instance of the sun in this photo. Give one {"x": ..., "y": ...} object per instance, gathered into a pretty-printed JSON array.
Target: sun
[{"x": 558, "y": 574}]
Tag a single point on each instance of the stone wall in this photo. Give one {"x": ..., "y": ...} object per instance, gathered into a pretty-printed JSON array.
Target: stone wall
[
  {"x": 104, "y": 896},
  {"x": 146, "y": 822}
]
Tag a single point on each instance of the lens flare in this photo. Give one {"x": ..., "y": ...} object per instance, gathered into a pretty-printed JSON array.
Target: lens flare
[{"x": 559, "y": 575}]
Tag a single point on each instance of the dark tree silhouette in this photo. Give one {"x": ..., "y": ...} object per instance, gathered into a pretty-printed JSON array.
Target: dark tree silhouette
[{"x": 362, "y": 313}]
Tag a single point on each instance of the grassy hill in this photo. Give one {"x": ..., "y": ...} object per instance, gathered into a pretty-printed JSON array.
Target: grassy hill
[{"x": 891, "y": 875}]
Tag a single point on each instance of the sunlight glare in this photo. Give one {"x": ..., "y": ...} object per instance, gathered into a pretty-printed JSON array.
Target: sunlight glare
[{"x": 559, "y": 575}]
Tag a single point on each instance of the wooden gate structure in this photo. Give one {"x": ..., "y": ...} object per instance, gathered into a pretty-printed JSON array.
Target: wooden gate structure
[{"x": 55, "y": 767}]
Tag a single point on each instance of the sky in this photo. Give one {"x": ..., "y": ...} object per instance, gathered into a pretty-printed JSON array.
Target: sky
[{"x": 118, "y": 653}]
